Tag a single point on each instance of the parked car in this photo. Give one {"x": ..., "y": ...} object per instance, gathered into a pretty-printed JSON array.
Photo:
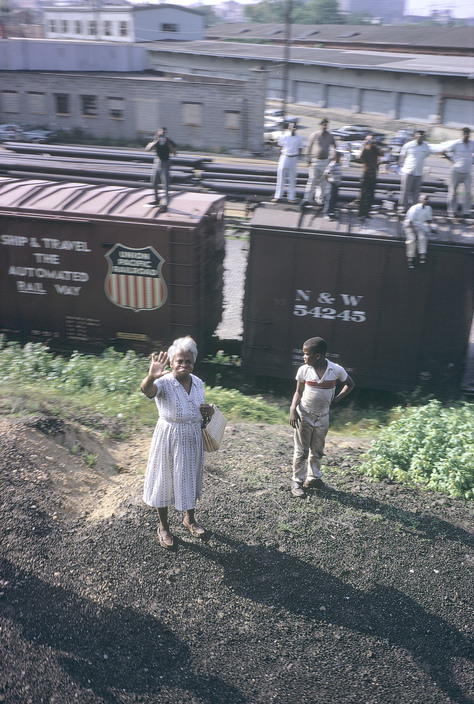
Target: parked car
[
  {"x": 356, "y": 148},
  {"x": 278, "y": 117},
  {"x": 349, "y": 133},
  {"x": 401, "y": 138},
  {"x": 10, "y": 133},
  {"x": 273, "y": 132},
  {"x": 37, "y": 136}
]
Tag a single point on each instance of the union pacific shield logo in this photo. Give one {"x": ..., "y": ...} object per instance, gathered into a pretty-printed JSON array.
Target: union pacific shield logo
[{"x": 134, "y": 279}]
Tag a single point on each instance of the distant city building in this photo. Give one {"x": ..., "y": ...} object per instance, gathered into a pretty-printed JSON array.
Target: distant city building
[
  {"x": 124, "y": 23},
  {"x": 230, "y": 11},
  {"x": 386, "y": 10}
]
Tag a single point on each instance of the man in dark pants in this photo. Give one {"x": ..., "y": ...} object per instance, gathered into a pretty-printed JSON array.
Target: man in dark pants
[
  {"x": 164, "y": 147},
  {"x": 369, "y": 158}
]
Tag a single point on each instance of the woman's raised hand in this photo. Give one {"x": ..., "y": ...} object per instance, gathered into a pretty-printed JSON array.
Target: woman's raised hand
[{"x": 158, "y": 364}]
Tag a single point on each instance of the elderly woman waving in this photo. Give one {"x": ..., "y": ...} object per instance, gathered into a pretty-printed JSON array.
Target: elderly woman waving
[{"x": 176, "y": 459}]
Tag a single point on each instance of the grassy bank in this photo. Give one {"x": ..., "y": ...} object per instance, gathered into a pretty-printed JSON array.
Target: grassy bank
[{"x": 420, "y": 442}]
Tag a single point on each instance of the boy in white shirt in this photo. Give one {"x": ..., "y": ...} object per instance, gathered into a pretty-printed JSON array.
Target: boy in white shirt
[
  {"x": 316, "y": 382},
  {"x": 333, "y": 175}
]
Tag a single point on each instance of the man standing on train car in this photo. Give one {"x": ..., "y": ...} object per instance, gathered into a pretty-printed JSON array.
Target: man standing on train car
[
  {"x": 291, "y": 145},
  {"x": 164, "y": 147},
  {"x": 460, "y": 153},
  {"x": 317, "y": 154},
  {"x": 412, "y": 159},
  {"x": 369, "y": 158}
]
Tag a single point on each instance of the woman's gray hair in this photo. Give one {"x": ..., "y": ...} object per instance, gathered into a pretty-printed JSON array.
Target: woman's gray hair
[{"x": 183, "y": 344}]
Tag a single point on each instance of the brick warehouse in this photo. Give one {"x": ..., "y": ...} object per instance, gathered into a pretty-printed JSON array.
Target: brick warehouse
[{"x": 200, "y": 111}]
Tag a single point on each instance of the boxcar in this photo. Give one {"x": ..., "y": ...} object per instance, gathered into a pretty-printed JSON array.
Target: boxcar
[
  {"x": 86, "y": 266},
  {"x": 390, "y": 326}
]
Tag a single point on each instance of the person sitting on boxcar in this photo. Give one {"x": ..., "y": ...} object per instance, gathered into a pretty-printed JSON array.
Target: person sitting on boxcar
[
  {"x": 418, "y": 223},
  {"x": 176, "y": 458},
  {"x": 164, "y": 147}
]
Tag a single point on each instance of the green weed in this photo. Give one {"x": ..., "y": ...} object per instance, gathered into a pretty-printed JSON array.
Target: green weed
[
  {"x": 430, "y": 445},
  {"x": 38, "y": 381}
]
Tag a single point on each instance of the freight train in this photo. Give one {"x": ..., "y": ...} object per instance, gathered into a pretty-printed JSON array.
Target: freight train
[{"x": 85, "y": 266}]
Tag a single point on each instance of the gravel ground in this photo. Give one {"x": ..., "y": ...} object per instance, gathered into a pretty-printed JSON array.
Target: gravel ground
[{"x": 363, "y": 595}]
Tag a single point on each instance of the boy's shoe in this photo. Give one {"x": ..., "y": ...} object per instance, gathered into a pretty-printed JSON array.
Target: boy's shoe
[
  {"x": 317, "y": 483},
  {"x": 410, "y": 264},
  {"x": 297, "y": 489}
]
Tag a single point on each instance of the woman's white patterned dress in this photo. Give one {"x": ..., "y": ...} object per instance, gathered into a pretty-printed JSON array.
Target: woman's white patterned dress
[{"x": 176, "y": 459}]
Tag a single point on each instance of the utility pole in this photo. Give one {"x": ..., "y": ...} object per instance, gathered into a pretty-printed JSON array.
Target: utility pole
[{"x": 286, "y": 60}]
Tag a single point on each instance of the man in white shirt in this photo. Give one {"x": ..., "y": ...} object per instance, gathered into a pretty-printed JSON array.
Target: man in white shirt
[
  {"x": 416, "y": 227},
  {"x": 412, "y": 158},
  {"x": 460, "y": 154},
  {"x": 291, "y": 145}
]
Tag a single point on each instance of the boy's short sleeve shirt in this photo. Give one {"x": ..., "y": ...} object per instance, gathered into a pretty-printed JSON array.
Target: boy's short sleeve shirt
[{"x": 319, "y": 391}]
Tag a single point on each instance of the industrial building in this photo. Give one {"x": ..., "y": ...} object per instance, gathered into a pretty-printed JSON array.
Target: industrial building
[
  {"x": 212, "y": 93},
  {"x": 123, "y": 23}
]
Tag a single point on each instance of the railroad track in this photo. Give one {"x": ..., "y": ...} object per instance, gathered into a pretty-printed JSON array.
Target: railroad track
[{"x": 243, "y": 180}]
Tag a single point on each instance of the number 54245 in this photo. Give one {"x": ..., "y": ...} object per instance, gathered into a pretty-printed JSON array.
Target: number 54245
[{"x": 348, "y": 316}]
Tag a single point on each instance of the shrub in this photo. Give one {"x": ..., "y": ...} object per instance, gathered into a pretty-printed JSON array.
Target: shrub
[{"x": 429, "y": 445}]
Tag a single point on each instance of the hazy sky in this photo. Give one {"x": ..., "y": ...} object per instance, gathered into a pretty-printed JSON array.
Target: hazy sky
[{"x": 459, "y": 8}]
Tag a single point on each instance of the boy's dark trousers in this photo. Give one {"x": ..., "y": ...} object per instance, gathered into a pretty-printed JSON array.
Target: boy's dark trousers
[
  {"x": 332, "y": 198},
  {"x": 369, "y": 179}
]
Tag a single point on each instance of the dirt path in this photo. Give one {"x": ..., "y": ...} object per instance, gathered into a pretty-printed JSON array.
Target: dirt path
[{"x": 363, "y": 595}]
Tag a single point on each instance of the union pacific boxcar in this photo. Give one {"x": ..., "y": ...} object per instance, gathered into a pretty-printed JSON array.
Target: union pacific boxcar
[
  {"x": 89, "y": 266},
  {"x": 392, "y": 327}
]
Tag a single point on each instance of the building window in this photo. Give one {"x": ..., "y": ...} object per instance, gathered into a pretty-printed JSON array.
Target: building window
[
  {"x": 62, "y": 104},
  {"x": 10, "y": 101},
  {"x": 52, "y": 26},
  {"x": 192, "y": 114},
  {"x": 124, "y": 29},
  {"x": 168, "y": 27},
  {"x": 36, "y": 103},
  {"x": 116, "y": 108},
  {"x": 65, "y": 26},
  {"x": 108, "y": 28},
  {"x": 89, "y": 105},
  {"x": 232, "y": 119},
  {"x": 92, "y": 28},
  {"x": 78, "y": 27}
]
